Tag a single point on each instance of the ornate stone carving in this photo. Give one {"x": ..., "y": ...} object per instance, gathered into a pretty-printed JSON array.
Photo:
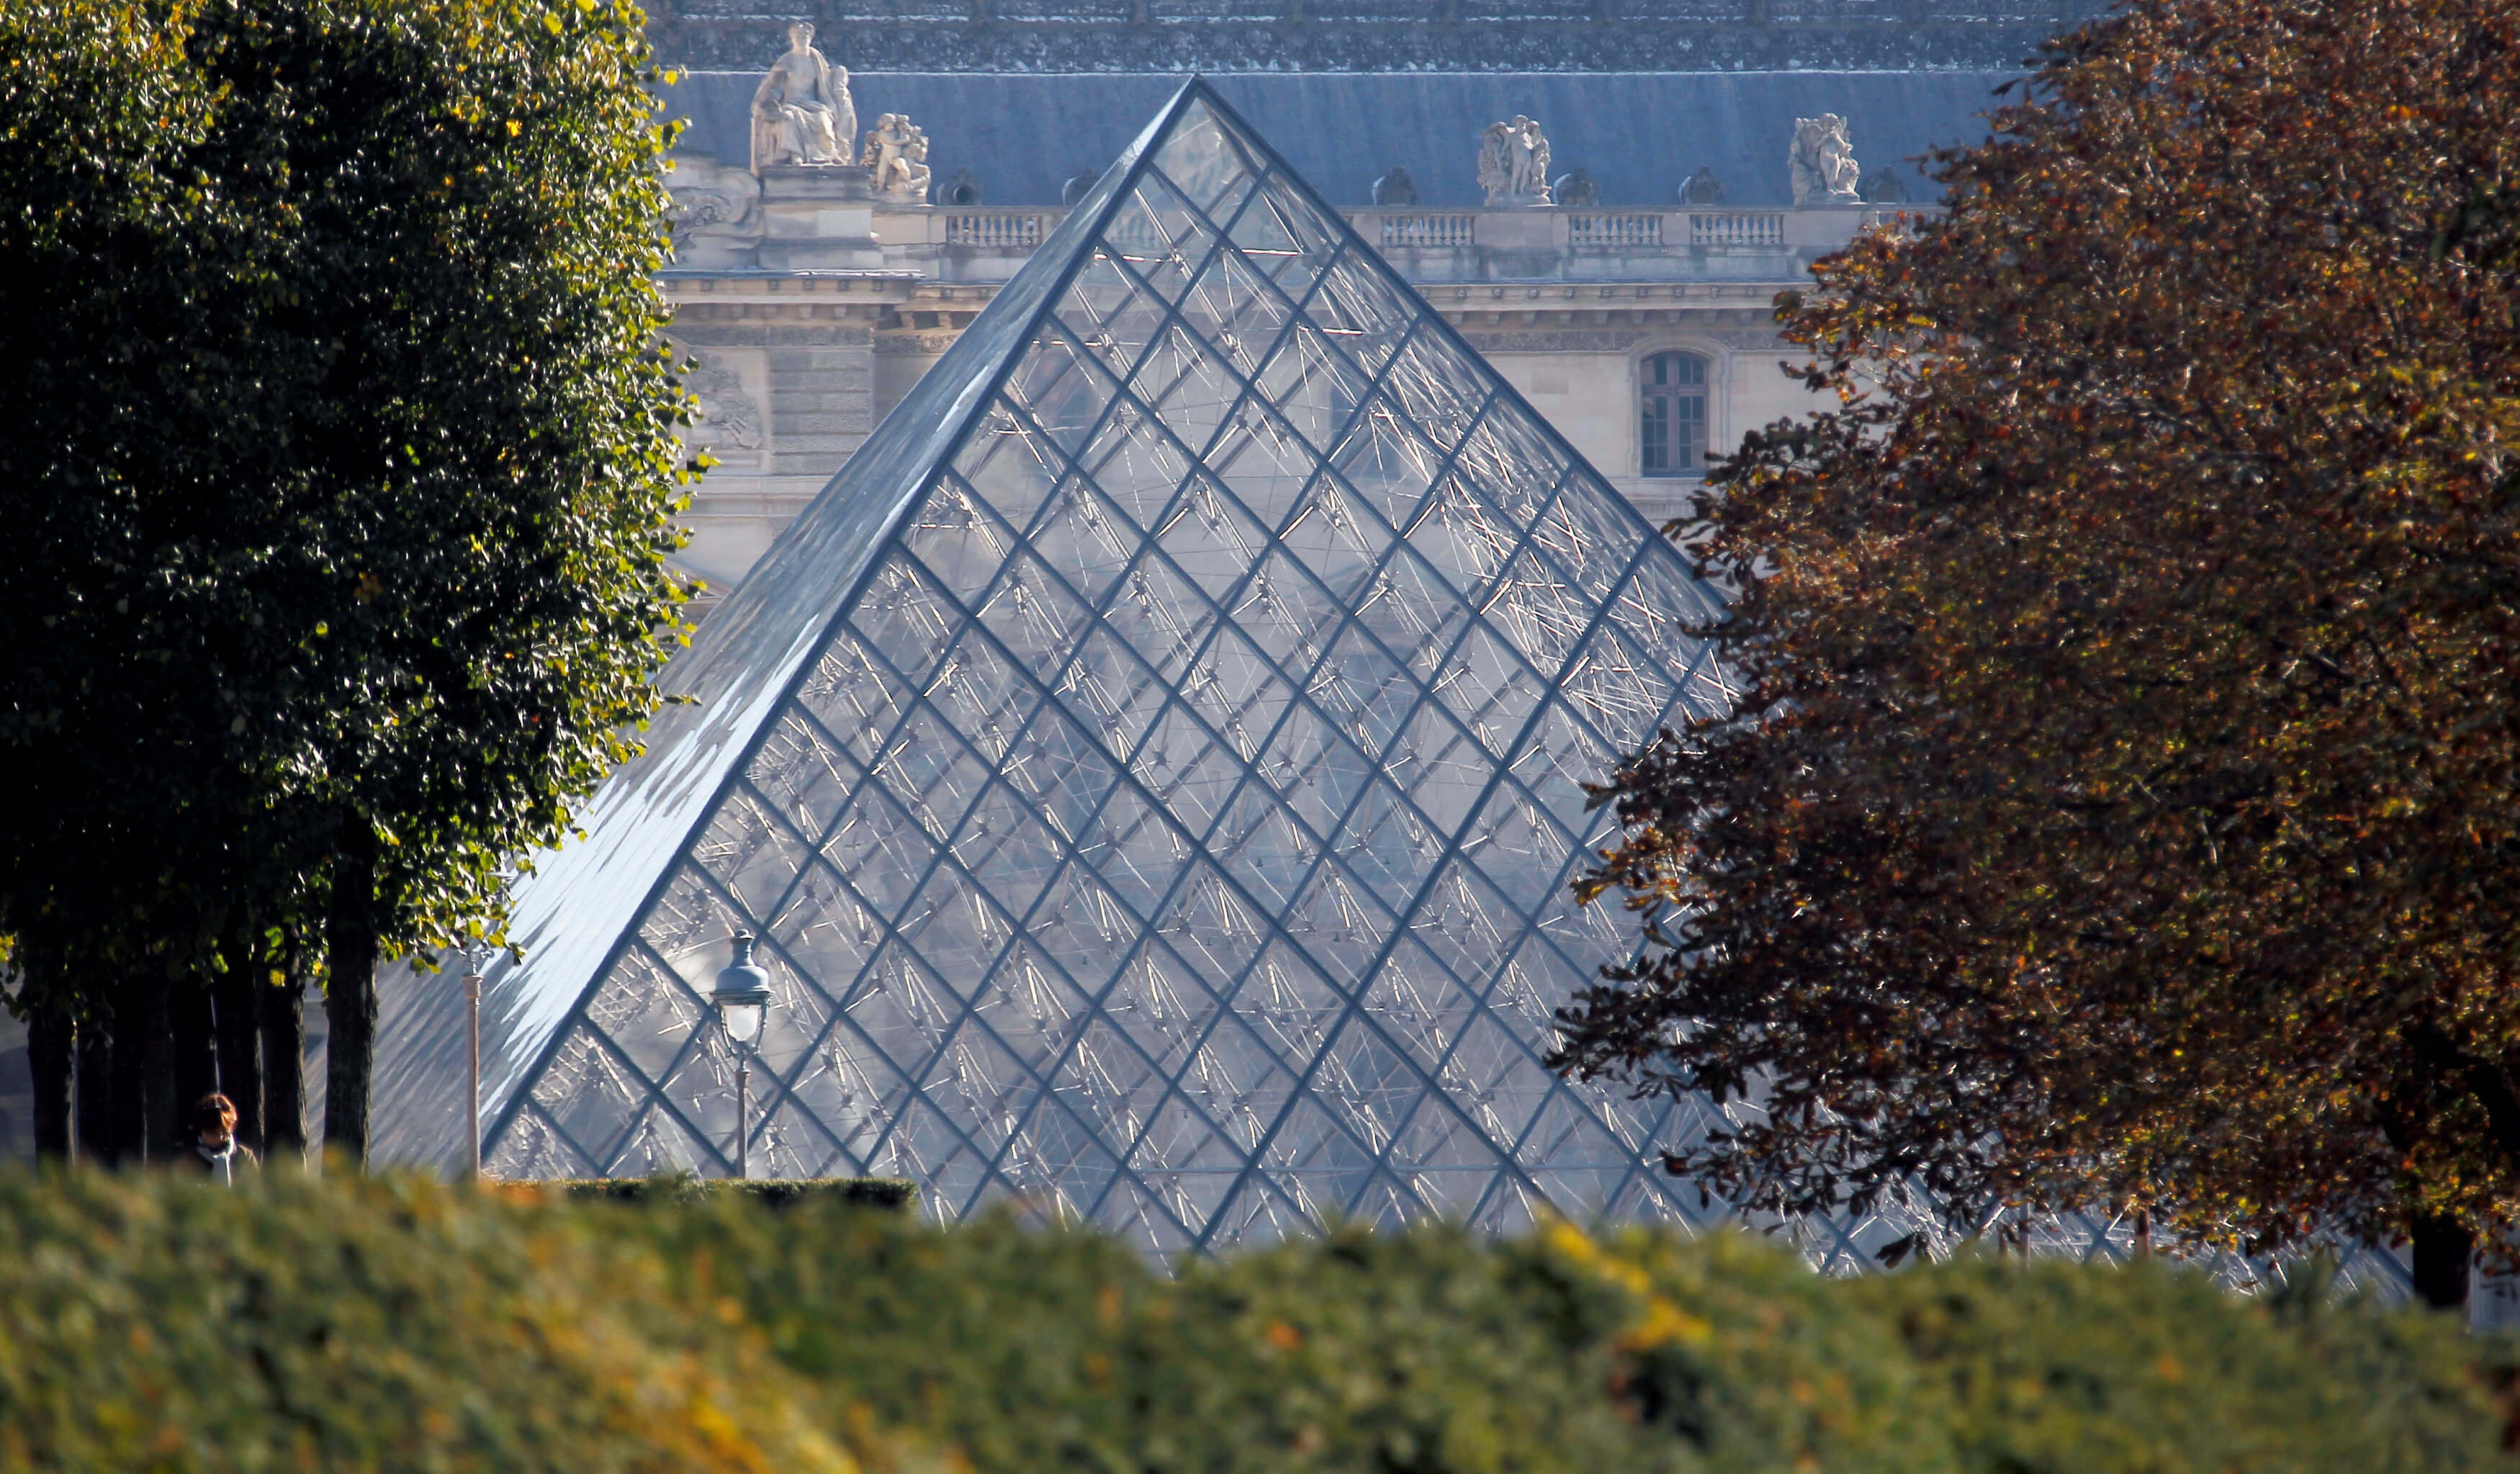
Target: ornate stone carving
[
  {"x": 707, "y": 198},
  {"x": 1514, "y": 163},
  {"x": 1558, "y": 340},
  {"x": 896, "y": 153},
  {"x": 801, "y": 112},
  {"x": 697, "y": 209},
  {"x": 1702, "y": 187},
  {"x": 1395, "y": 190},
  {"x": 728, "y": 419},
  {"x": 1823, "y": 162},
  {"x": 1576, "y": 188},
  {"x": 925, "y": 343},
  {"x": 1752, "y": 339}
]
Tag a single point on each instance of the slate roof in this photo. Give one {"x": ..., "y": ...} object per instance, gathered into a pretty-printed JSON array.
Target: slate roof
[{"x": 1638, "y": 133}]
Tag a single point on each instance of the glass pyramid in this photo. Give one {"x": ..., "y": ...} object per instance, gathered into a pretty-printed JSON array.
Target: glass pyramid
[{"x": 1152, "y": 768}]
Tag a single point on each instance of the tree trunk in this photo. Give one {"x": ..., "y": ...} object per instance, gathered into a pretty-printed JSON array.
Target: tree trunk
[
  {"x": 283, "y": 1063},
  {"x": 237, "y": 1004},
  {"x": 2443, "y": 1249},
  {"x": 350, "y": 994},
  {"x": 96, "y": 1086},
  {"x": 131, "y": 1073},
  {"x": 194, "y": 1034},
  {"x": 52, "y": 1056},
  {"x": 161, "y": 1113}
]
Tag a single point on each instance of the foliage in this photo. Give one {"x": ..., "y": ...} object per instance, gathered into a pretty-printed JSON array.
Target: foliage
[
  {"x": 1434, "y": 1351},
  {"x": 166, "y": 1322},
  {"x": 148, "y": 1323},
  {"x": 347, "y": 473},
  {"x": 2051, "y": 1367},
  {"x": 2121, "y": 811}
]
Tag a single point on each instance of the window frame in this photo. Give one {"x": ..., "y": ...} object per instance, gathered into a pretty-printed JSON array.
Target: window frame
[{"x": 1650, "y": 395}]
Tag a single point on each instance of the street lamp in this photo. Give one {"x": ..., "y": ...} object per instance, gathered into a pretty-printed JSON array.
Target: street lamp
[
  {"x": 477, "y": 955},
  {"x": 741, "y": 999}
]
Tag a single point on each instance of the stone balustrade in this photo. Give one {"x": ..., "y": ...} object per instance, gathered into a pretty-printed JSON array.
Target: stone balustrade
[{"x": 986, "y": 244}]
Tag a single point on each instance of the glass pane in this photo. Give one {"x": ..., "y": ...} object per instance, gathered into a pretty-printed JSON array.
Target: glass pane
[
  {"x": 803, "y": 775},
  {"x": 1212, "y": 539},
  {"x": 1237, "y": 310},
  {"x": 1060, "y": 388},
  {"x": 1264, "y": 463},
  {"x": 1086, "y": 541},
  {"x": 1009, "y": 466},
  {"x": 1111, "y": 314},
  {"x": 1159, "y": 237},
  {"x": 960, "y": 544},
  {"x": 1282, "y": 237},
  {"x": 1201, "y": 156},
  {"x": 1388, "y": 460},
  {"x": 1192, "y": 391}
]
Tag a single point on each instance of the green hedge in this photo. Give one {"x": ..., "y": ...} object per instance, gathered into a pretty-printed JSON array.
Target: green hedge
[
  {"x": 159, "y": 1324},
  {"x": 151, "y": 1322}
]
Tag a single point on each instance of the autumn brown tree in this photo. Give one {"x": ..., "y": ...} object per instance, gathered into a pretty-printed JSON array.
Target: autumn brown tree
[{"x": 2125, "y": 805}]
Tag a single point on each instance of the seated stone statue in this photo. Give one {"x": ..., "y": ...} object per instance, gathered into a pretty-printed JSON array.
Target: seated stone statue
[
  {"x": 801, "y": 112},
  {"x": 1395, "y": 190},
  {"x": 1702, "y": 187}
]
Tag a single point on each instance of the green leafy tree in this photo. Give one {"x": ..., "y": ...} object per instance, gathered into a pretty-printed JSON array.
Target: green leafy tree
[
  {"x": 2122, "y": 807},
  {"x": 356, "y": 474}
]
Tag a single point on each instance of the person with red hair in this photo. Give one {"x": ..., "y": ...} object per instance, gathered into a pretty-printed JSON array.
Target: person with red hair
[{"x": 215, "y": 1149}]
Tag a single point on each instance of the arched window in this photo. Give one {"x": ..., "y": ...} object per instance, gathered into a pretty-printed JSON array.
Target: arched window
[{"x": 1672, "y": 413}]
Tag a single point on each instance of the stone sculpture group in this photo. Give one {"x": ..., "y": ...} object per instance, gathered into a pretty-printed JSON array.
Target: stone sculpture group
[
  {"x": 1822, "y": 164},
  {"x": 896, "y": 155},
  {"x": 1514, "y": 163},
  {"x": 803, "y": 117}
]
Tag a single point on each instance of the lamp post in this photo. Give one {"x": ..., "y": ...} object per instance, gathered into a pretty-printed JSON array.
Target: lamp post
[
  {"x": 742, "y": 1000},
  {"x": 476, "y": 953}
]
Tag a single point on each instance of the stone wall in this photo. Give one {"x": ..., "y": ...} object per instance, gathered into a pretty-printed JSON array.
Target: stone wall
[{"x": 1370, "y": 35}]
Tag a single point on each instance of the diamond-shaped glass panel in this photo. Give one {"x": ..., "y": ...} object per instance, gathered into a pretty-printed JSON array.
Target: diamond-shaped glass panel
[
  {"x": 1135, "y": 461},
  {"x": 1160, "y": 235},
  {"x": 1237, "y": 310},
  {"x": 1009, "y": 465}
]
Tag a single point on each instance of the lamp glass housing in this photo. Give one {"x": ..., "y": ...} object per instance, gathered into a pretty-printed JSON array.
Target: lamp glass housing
[{"x": 742, "y": 1019}]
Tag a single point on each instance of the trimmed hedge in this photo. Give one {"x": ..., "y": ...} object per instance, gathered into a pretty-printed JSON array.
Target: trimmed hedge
[
  {"x": 898, "y": 1193},
  {"x": 161, "y": 1323},
  {"x": 1436, "y": 1351}
]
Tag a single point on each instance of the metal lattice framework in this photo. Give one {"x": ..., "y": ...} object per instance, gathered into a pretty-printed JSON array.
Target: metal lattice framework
[
  {"x": 1175, "y": 825},
  {"x": 1152, "y": 768}
]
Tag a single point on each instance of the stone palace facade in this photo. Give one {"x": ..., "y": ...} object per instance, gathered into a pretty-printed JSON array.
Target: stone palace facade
[{"x": 1612, "y": 242}]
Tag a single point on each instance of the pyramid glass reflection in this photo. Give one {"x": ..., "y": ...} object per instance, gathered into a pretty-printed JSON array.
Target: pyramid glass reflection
[{"x": 1152, "y": 768}]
